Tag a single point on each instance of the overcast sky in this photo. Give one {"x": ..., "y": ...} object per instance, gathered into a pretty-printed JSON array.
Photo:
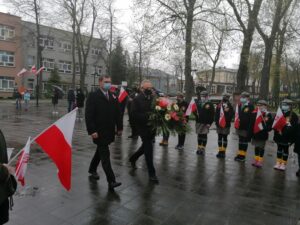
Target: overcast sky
[{"x": 124, "y": 19}]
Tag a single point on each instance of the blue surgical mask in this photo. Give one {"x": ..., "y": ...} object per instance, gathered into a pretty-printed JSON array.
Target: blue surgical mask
[
  {"x": 243, "y": 100},
  {"x": 107, "y": 86},
  {"x": 285, "y": 108}
]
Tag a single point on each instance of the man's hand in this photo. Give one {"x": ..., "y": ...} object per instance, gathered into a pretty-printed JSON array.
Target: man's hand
[
  {"x": 119, "y": 133},
  {"x": 95, "y": 135},
  {"x": 11, "y": 170}
]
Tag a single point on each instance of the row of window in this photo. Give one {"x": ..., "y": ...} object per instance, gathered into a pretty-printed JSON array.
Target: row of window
[
  {"x": 62, "y": 65},
  {"x": 6, "y": 32},
  {"x": 6, "y": 83},
  {"x": 7, "y": 58}
]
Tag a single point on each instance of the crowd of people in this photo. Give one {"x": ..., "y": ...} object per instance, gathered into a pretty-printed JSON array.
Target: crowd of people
[{"x": 104, "y": 117}]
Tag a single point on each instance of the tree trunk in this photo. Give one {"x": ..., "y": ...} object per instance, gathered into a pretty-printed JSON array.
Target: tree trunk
[
  {"x": 189, "y": 81},
  {"x": 73, "y": 56},
  {"x": 265, "y": 73},
  {"x": 212, "y": 77}
]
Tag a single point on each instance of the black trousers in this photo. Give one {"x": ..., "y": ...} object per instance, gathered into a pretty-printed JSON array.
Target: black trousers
[
  {"x": 283, "y": 151},
  {"x": 298, "y": 160},
  {"x": 202, "y": 139},
  {"x": 132, "y": 125},
  {"x": 147, "y": 150},
  {"x": 102, "y": 154},
  {"x": 222, "y": 140},
  {"x": 243, "y": 143},
  {"x": 181, "y": 139}
]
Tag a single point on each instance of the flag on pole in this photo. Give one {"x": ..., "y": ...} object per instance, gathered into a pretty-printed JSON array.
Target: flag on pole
[
  {"x": 33, "y": 69},
  {"x": 22, "y": 72},
  {"x": 22, "y": 163},
  {"x": 222, "y": 120},
  {"x": 191, "y": 108},
  {"x": 123, "y": 94},
  {"x": 56, "y": 141},
  {"x": 279, "y": 121},
  {"x": 236, "y": 117},
  {"x": 39, "y": 70},
  {"x": 258, "y": 126}
]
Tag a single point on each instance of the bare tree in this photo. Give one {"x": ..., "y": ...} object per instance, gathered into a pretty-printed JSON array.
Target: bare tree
[{"x": 281, "y": 8}]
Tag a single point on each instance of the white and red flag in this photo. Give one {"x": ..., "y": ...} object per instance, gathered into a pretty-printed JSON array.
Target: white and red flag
[
  {"x": 56, "y": 141},
  {"x": 22, "y": 163},
  {"x": 191, "y": 108},
  {"x": 22, "y": 72},
  {"x": 33, "y": 69},
  {"x": 39, "y": 70},
  {"x": 279, "y": 121},
  {"x": 222, "y": 120},
  {"x": 258, "y": 125},
  {"x": 123, "y": 94},
  {"x": 236, "y": 117}
]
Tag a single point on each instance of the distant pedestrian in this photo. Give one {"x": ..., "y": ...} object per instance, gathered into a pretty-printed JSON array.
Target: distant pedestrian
[
  {"x": 55, "y": 96},
  {"x": 8, "y": 185},
  {"x": 71, "y": 100},
  {"x": 80, "y": 97},
  {"x": 18, "y": 97},
  {"x": 26, "y": 99}
]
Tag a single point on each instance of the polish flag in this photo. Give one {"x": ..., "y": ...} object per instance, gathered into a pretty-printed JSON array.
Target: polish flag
[
  {"x": 33, "y": 69},
  {"x": 222, "y": 120},
  {"x": 56, "y": 141},
  {"x": 123, "y": 94},
  {"x": 258, "y": 126},
  {"x": 236, "y": 117},
  {"x": 39, "y": 70},
  {"x": 22, "y": 72},
  {"x": 22, "y": 163},
  {"x": 279, "y": 121},
  {"x": 191, "y": 108}
]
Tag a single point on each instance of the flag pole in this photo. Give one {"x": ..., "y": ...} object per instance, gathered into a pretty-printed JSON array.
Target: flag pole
[{"x": 33, "y": 139}]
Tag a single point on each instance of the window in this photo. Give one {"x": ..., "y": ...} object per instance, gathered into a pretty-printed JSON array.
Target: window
[
  {"x": 65, "y": 66},
  {"x": 48, "y": 64},
  {"x": 6, "y": 83},
  {"x": 66, "y": 46},
  {"x": 30, "y": 83},
  {"x": 47, "y": 42},
  {"x": 6, "y": 32},
  {"x": 30, "y": 61},
  {"x": 7, "y": 58},
  {"x": 96, "y": 51},
  {"x": 77, "y": 69},
  {"x": 99, "y": 70}
]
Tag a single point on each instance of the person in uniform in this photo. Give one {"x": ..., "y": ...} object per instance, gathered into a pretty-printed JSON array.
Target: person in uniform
[
  {"x": 204, "y": 118},
  {"x": 286, "y": 136},
  {"x": 245, "y": 109},
  {"x": 223, "y": 132},
  {"x": 259, "y": 138},
  {"x": 183, "y": 105}
]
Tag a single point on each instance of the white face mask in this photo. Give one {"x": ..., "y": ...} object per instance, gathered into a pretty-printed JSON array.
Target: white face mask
[
  {"x": 285, "y": 108},
  {"x": 263, "y": 108}
]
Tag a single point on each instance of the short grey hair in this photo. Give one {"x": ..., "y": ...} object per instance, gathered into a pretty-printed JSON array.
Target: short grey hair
[
  {"x": 103, "y": 76},
  {"x": 144, "y": 82}
]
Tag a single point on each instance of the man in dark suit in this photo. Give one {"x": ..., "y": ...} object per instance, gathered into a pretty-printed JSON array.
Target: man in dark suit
[
  {"x": 140, "y": 109},
  {"x": 102, "y": 116}
]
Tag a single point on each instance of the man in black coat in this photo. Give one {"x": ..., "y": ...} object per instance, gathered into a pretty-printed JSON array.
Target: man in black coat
[
  {"x": 102, "y": 116},
  {"x": 140, "y": 109}
]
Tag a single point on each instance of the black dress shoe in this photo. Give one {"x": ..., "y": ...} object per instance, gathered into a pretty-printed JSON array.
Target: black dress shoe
[
  {"x": 113, "y": 185},
  {"x": 298, "y": 173},
  {"x": 133, "y": 164},
  {"x": 94, "y": 175},
  {"x": 154, "y": 179}
]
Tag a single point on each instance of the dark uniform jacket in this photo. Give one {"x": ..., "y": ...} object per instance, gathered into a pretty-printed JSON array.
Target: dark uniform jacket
[
  {"x": 141, "y": 108},
  {"x": 297, "y": 139},
  {"x": 205, "y": 112},
  {"x": 289, "y": 131},
  {"x": 245, "y": 115},
  {"x": 267, "y": 126},
  {"x": 80, "y": 100},
  {"x": 102, "y": 115},
  {"x": 228, "y": 112}
]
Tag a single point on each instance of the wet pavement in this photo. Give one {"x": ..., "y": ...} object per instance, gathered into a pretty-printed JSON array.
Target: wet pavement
[{"x": 193, "y": 190}]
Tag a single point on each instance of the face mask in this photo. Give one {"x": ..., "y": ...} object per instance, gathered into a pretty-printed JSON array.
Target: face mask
[
  {"x": 263, "y": 108},
  {"x": 107, "y": 86},
  {"x": 285, "y": 108},
  {"x": 203, "y": 99},
  {"x": 148, "y": 92},
  {"x": 243, "y": 100}
]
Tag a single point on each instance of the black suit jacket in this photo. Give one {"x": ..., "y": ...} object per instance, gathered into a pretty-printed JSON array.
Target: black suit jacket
[{"x": 102, "y": 116}]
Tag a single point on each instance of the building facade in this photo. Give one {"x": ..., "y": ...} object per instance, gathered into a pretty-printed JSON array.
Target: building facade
[
  {"x": 11, "y": 59},
  {"x": 224, "y": 82},
  {"x": 57, "y": 53}
]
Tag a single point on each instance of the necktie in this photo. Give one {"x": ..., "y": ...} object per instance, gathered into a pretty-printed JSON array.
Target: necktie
[{"x": 107, "y": 96}]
